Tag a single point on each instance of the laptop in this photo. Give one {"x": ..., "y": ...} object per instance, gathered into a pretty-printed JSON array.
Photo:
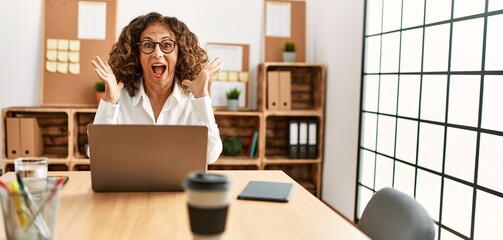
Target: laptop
[{"x": 145, "y": 158}]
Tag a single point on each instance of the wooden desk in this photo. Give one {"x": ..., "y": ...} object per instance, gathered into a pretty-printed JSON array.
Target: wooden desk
[{"x": 84, "y": 214}]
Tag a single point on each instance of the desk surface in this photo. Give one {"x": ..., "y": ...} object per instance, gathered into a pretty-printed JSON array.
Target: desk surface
[{"x": 84, "y": 214}]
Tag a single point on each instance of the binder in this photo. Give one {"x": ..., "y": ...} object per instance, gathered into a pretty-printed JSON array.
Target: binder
[
  {"x": 303, "y": 139},
  {"x": 312, "y": 146},
  {"x": 293, "y": 143},
  {"x": 13, "y": 138},
  {"x": 31, "y": 138},
  {"x": 272, "y": 90},
  {"x": 285, "y": 90}
]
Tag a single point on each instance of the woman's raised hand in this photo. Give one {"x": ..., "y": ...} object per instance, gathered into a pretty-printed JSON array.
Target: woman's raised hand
[
  {"x": 200, "y": 86},
  {"x": 112, "y": 88}
]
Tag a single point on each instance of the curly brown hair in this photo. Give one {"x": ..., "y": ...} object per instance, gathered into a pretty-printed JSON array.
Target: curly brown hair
[{"x": 125, "y": 55}]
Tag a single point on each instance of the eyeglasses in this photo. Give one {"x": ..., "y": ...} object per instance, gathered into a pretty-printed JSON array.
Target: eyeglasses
[{"x": 148, "y": 47}]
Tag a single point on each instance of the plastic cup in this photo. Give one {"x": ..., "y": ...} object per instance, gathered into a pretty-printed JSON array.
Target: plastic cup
[
  {"x": 29, "y": 218},
  {"x": 32, "y": 170}
]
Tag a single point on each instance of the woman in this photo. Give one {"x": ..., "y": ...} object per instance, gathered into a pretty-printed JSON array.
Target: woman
[{"x": 158, "y": 74}]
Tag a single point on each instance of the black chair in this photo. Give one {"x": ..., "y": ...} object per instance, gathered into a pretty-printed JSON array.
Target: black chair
[{"x": 391, "y": 214}]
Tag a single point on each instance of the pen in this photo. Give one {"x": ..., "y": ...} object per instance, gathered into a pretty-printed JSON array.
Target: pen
[
  {"x": 4, "y": 186},
  {"x": 58, "y": 183},
  {"x": 32, "y": 208},
  {"x": 23, "y": 219}
]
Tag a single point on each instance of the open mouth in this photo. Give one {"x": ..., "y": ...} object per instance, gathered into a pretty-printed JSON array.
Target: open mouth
[{"x": 158, "y": 69}]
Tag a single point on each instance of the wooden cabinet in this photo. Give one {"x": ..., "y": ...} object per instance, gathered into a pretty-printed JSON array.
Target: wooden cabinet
[
  {"x": 307, "y": 88},
  {"x": 307, "y": 103},
  {"x": 64, "y": 135},
  {"x": 64, "y": 130}
]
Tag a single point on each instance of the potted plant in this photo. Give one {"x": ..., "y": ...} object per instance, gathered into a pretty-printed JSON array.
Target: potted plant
[
  {"x": 289, "y": 52},
  {"x": 233, "y": 99},
  {"x": 99, "y": 87},
  {"x": 231, "y": 146}
]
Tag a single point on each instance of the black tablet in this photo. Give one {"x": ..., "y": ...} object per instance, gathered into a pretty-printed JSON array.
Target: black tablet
[{"x": 267, "y": 191}]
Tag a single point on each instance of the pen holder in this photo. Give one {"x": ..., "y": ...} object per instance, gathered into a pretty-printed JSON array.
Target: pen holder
[{"x": 26, "y": 217}]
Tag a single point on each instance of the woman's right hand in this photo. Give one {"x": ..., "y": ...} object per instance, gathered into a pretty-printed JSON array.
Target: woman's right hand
[{"x": 112, "y": 88}]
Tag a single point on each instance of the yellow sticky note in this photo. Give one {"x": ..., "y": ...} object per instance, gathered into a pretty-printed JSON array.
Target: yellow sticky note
[
  {"x": 244, "y": 76},
  {"x": 51, "y": 66},
  {"x": 63, "y": 56},
  {"x": 74, "y": 57},
  {"x": 74, "y": 45},
  {"x": 63, "y": 44},
  {"x": 52, "y": 55},
  {"x": 62, "y": 67},
  {"x": 74, "y": 68},
  {"x": 52, "y": 43},
  {"x": 232, "y": 76},
  {"x": 222, "y": 76}
]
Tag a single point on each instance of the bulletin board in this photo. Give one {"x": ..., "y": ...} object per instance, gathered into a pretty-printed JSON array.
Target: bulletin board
[
  {"x": 73, "y": 32},
  {"x": 285, "y": 20},
  {"x": 235, "y": 72}
]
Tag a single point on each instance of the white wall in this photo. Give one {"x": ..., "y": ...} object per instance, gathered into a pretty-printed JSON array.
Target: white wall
[
  {"x": 338, "y": 44},
  {"x": 334, "y": 35}
]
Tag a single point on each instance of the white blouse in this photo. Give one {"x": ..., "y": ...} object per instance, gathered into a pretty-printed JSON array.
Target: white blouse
[{"x": 179, "y": 109}]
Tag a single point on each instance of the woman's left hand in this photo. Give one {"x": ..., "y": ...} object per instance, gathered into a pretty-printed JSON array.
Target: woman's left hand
[{"x": 200, "y": 86}]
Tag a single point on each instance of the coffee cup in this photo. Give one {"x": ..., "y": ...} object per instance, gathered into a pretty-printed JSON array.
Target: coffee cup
[{"x": 208, "y": 197}]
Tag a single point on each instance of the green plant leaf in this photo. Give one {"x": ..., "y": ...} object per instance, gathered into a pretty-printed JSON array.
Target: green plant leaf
[
  {"x": 289, "y": 46},
  {"x": 99, "y": 86},
  {"x": 233, "y": 93}
]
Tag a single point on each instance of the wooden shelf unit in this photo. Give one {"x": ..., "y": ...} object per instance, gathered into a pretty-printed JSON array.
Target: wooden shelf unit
[
  {"x": 60, "y": 134},
  {"x": 64, "y": 130},
  {"x": 308, "y": 86}
]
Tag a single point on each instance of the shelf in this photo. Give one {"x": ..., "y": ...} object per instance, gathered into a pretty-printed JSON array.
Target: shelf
[
  {"x": 237, "y": 113},
  {"x": 49, "y": 161},
  {"x": 294, "y": 113},
  {"x": 236, "y": 161},
  {"x": 290, "y": 161},
  {"x": 81, "y": 161},
  {"x": 294, "y": 65}
]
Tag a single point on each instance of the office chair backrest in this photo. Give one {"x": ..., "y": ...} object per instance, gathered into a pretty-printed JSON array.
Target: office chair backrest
[{"x": 391, "y": 214}]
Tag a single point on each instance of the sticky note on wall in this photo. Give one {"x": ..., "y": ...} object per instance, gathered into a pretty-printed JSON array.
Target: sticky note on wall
[
  {"x": 222, "y": 76},
  {"x": 243, "y": 76},
  {"x": 62, "y": 67},
  {"x": 232, "y": 76},
  {"x": 63, "y": 56},
  {"x": 52, "y": 55},
  {"x": 74, "y": 45},
  {"x": 74, "y": 68},
  {"x": 73, "y": 57},
  {"x": 63, "y": 44},
  {"x": 52, "y": 43}
]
